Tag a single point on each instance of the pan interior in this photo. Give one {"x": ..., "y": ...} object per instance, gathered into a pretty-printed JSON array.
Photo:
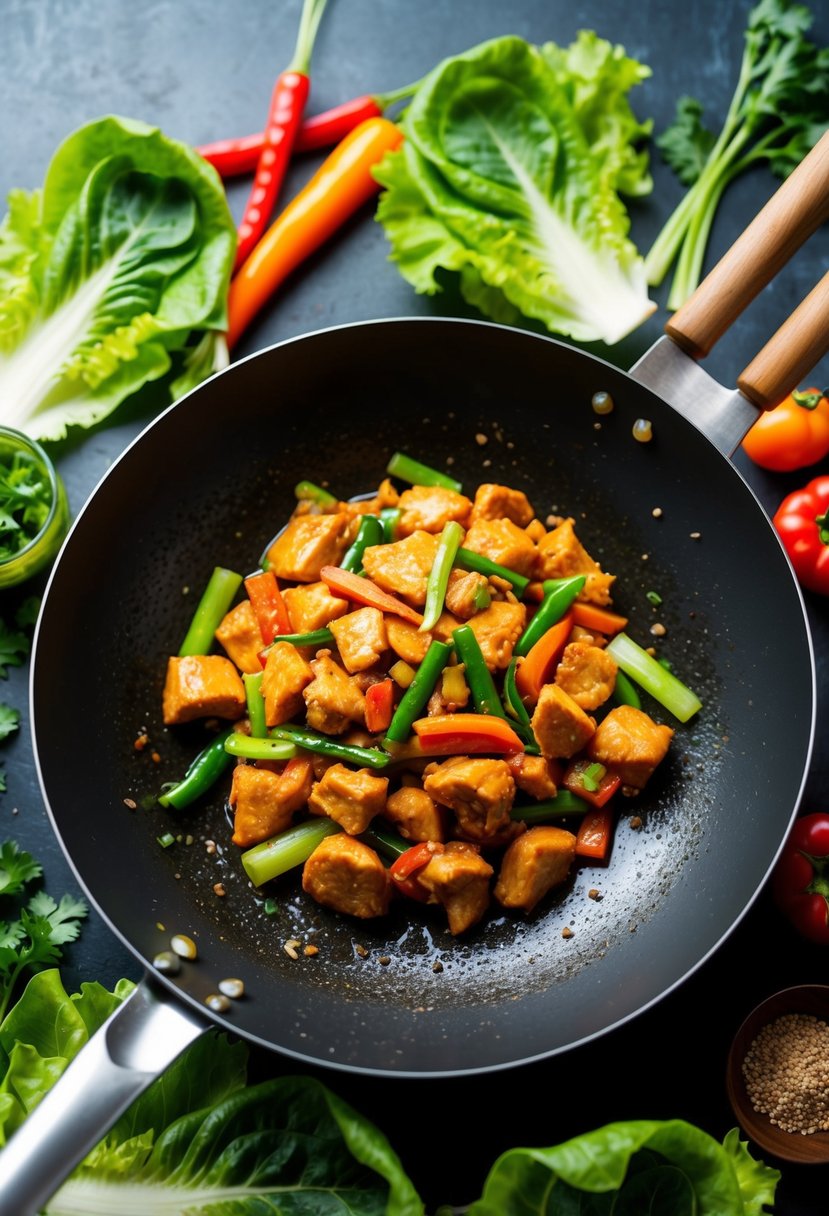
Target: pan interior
[{"x": 211, "y": 482}]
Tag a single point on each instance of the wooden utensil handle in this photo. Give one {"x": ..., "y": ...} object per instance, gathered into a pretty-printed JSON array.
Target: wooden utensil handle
[
  {"x": 787, "y": 358},
  {"x": 791, "y": 215}
]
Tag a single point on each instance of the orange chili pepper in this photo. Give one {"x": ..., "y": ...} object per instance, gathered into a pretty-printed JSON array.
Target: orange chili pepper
[
  {"x": 342, "y": 184},
  {"x": 364, "y": 591},
  {"x": 533, "y": 672},
  {"x": 447, "y": 734}
]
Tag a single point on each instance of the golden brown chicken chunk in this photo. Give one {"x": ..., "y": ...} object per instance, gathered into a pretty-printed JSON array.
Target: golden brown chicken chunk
[
  {"x": 403, "y": 567},
  {"x": 561, "y": 554},
  {"x": 587, "y": 674},
  {"x": 500, "y": 502},
  {"x": 350, "y": 797},
  {"x": 532, "y": 775},
  {"x": 480, "y": 792},
  {"x": 458, "y": 878},
  {"x": 429, "y": 508},
  {"x": 333, "y": 699},
  {"x": 284, "y": 679},
  {"x": 533, "y": 864},
  {"x": 312, "y": 606},
  {"x": 406, "y": 640},
  {"x": 361, "y": 638},
  {"x": 466, "y": 593},
  {"x": 415, "y": 814},
  {"x": 241, "y": 637},
  {"x": 497, "y": 629},
  {"x": 347, "y": 876},
  {"x": 504, "y": 542},
  {"x": 202, "y": 686},
  {"x": 265, "y": 801},
  {"x": 560, "y": 726},
  {"x": 308, "y": 543},
  {"x": 630, "y": 743}
]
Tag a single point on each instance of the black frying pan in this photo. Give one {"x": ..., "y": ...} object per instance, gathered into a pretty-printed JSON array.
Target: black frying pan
[{"x": 208, "y": 483}]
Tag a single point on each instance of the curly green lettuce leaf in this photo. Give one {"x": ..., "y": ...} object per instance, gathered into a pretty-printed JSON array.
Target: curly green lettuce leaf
[
  {"x": 669, "y": 1168},
  {"x": 497, "y": 180},
  {"x": 107, "y": 273}
]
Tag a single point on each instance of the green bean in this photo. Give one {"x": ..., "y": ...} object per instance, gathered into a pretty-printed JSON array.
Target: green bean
[
  {"x": 390, "y": 518},
  {"x": 214, "y": 603},
  {"x": 467, "y": 560},
  {"x": 564, "y": 803},
  {"x": 312, "y": 637},
  {"x": 203, "y": 773},
  {"x": 255, "y": 703},
  {"x": 481, "y": 683},
  {"x": 287, "y": 850},
  {"x": 418, "y": 692},
  {"x": 308, "y": 491},
  {"x": 408, "y": 469},
  {"x": 624, "y": 691},
  {"x": 324, "y": 745},
  {"x": 559, "y": 594},
  {"x": 388, "y": 844},
  {"x": 370, "y": 532}
]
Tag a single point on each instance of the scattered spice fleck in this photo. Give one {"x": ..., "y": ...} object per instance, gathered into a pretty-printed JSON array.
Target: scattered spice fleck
[
  {"x": 658, "y": 629},
  {"x": 657, "y": 512},
  {"x": 141, "y": 742},
  {"x": 594, "y": 893},
  {"x": 155, "y": 757},
  {"x": 131, "y": 803},
  {"x": 384, "y": 960},
  {"x": 291, "y": 947},
  {"x": 566, "y": 931},
  {"x": 695, "y": 535},
  {"x": 635, "y": 822},
  {"x": 219, "y": 889},
  {"x": 361, "y": 951},
  {"x": 210, "y": 846},
  {"x": 310, "y": 950},
  {"x": 786, "y": 1071},
  {"x": 437, "y": 966},
  {"x": 481, "y": 439}
]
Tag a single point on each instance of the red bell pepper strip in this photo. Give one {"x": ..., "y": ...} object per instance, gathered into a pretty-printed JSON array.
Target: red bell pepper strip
[
  {"x": 595, "y": 834},
  {"x": 288, "y": 99},
  {"x": 342, "y": 184},
  {"x": 268, "y": 605},
  {"x": 364, "y": 591},
  {"x": 800, "y": 883},
  {"x": 536, "y": 669},
  {"x": 404, "y": 870},
  {"x": 591, "y": 781},
  {"x": 379, "y": 706},
  {"x": 802, "y": 522},
  {"x": 447, "y": 734}
]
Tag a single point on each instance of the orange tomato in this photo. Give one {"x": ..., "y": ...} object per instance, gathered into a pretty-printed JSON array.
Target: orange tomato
[{"x": 792, "y": 435}]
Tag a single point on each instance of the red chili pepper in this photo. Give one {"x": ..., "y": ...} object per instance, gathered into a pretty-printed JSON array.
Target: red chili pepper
[
  {"x": 595, "y": 834},
  {"x": 288, "y": 100},
  {"x": 379, "y": 705},
  {"x": 404, "y": 869},
  {"x": 266, "y": 600},
  {"x": 594, "y": 787},
  {"x": 800, "y": 882},
  {"x": 802, "y": 521}
]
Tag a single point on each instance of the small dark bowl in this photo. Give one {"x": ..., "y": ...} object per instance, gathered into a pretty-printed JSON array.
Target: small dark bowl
[{"x": 812, "y": 1149}]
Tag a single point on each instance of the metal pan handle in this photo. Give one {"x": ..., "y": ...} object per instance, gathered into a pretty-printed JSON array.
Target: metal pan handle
[
  {"x": 130, "y": 1050},
  {"x": 789, "y": 218}
]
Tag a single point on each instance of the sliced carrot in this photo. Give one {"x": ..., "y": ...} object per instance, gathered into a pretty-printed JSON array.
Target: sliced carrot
[
  {"x": 451, "y": 733},
  {"x": 268, "y": 605},
  {"x": 600, "y": 619},
  {"x": 379, "y": 705},
  {"x": 364, "y": 591},
  {"x": 536, "y": 669}
]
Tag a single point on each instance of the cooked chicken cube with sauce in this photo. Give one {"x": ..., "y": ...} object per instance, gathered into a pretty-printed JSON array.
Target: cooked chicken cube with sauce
[
  {"x": 351, "y": 798},
  {"x": 560, "y": 726},
  {"x": 503, "y": 542},
  {"x": 333, "y": 699},
  {"x": 241, "y": 638},
  {"x": 308, "y": 543},
  {"x": 403, "y": 567},
  {"x": 458, "y": 878},
  {"x": 629, "y": 742},
  {"x": 406, "y": 640},
  {"x": 480, "y": 792},
  {"x": 287, "y": 674},
  {"x": 415, "y": 814},
  {"x": 533, "y": 864},
  {"x": 347, "y": 876},
  {"x": 313, "y": 606},
  {"x": 587, "y": 674},
  {"x": 361, "y": 638},
  {"x": 500, "y": 502},
  {"x": 561, "y": 554},
  {"x": 533, "y": 775},
  {"x": 497, "y": 629},
  {"x": 467, "y": 593},
  {"x": 429, "y": 508},
  {"x": 202, "y": 686},
  {"x": 265, "y": 801}
]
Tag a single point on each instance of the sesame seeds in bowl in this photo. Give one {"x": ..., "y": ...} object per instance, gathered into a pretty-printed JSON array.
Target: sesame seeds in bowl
[{"x": 778, "y": 1074}]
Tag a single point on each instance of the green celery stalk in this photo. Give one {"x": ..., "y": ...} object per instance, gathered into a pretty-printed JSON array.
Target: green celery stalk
[{"x": 662, "y": 685}]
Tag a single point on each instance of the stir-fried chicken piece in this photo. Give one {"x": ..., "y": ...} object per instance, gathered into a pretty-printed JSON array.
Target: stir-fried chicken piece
[
  {"x": 361, "y": 638},
  {"x": 333, "y": 699},
  {"x": 403, "y": 567},
  {"x": 630, "y": 743},
  {"x": 241, "y": 637},
  {"x": 313, "y": 606},
  {"x": 308, "y": 543},
  {"x": 287, "y": 674},
  {"x": 497, "y": 629},
  {"x": 561, "y": 554},
  {"x": 480, "y": 792},
  {"x": 504, "y": 542},
  {"x": 458, "y": 878},
  {"x": 202, "y": 686},
  {"x": 532, "y": 775},
  {"x": 347, "y": 876},
  {"x": 560, "y": 726},
  {"x": 533, "y": 864},
  {"x": 415, "y": 814},
  {"x": 429, "y": 508},
  {"x": 500, "y": 502},
  {"x": 265, "y": 801},
  {"x": 587, "y": 674},
  {"x": 351, "y": 798},
  {"x": 465, "y": 592}
]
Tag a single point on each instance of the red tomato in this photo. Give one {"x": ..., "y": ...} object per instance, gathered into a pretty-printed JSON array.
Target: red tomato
[
  {"x": 800, "y": 883},
  {"x": 802, "y": 521}
]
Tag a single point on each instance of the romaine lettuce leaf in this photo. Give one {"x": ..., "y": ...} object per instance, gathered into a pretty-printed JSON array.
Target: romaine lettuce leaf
[
  {"x": 510, "y": 174},
  {"x": 108, "y": 274}
]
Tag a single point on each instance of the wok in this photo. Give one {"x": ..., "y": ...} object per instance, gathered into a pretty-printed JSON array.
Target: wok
[{"x": 211, "y": 480}]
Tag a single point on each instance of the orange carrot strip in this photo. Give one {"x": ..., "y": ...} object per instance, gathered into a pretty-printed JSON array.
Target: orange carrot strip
[
  {"x": 466, "y": 733},
  {"x": 364, "y": 591},
  {"x": 534, "y": 672},
  {"x": 600, "y": 619}
]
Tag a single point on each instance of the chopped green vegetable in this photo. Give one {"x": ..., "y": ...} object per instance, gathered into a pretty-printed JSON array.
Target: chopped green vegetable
[
  {"x": 286, "y": 851},
  {"x": 166, "y": 840},
  {"x": 390, "y": 518},
  {"x": 370, "y": 532},
  {"x": 559, "y": 594},
  {"x": 250, "y": 748},
  {"x": 313, "y": 637},
  {"x": 106, "y": 275},
  {"x": 202, "y": 774},
  {"x": 307, "y": 490},
  {"x": 407, "y": 469},
  {"x": 387, "y": 844},
  {"x": 662, "y": 685},
  {"x": 417, "y": 693},
  {"x": 653, "y": 597},
  {"x": 468, "y": 560},
  {"x": 448, "y": 544},
  {"x": 255, "y": 704},
  {"x": 325, "y": 745},
  {"x": 564, "y": 803},
  {"x": 14, "y": 647},
  {"x": 478, "y": 676},
  {"x": 214, "y": 603},
  {"x": 510, "y": 174},
  {"x": 25, "y": 502},
  {"x": 777, "y": 113},
  {"x": 624, "y": 691}
]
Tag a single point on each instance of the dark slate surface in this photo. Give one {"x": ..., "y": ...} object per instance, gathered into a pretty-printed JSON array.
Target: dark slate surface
[{"x": 203, "y": 69}]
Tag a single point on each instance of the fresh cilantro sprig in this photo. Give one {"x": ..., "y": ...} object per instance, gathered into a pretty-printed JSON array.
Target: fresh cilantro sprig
[
  {"x": 777, "y": 113},
  {"x": 37, "y": 926},
  {"x": 15, "y": 644}
]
